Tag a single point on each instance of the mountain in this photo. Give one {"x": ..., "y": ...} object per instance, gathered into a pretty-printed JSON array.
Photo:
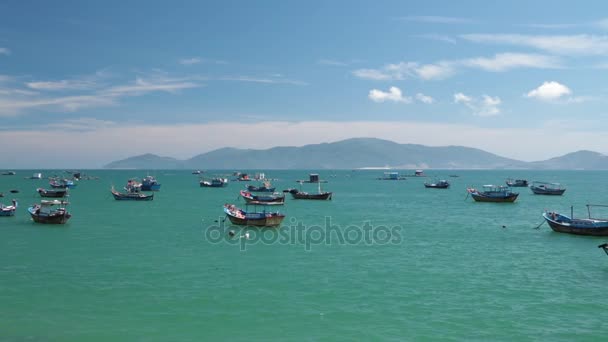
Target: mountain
[
  {"x": 360, "y": 153},
  {"x": 581, "y": 160}
]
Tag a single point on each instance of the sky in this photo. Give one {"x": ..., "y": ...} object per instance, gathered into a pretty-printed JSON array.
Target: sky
[{"x": 84, "y": 83}]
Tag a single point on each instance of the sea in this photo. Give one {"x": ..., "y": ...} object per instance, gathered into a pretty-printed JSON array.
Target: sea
[{"x": 382, "y": 261}]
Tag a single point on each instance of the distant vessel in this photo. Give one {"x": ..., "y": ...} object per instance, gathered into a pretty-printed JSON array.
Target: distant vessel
[
  {"x": 270, "y": 199},
  {"x": 493, "y": 193},
  {"x": 51, "y": 212},
  {"x": 579, "y": 226},
  {"x": 62, "y": 184},
  {"x": 36, "y": 176},
  {"x": 392, "y": 176},
  {"x": 131, "y": 195},
  {"x": 53, "y": 193},
  {"x": 437, "y": 184},
  {"x": 312, "y": 178},
  {"x": 8, "y": 210},
  {"x": 250, "y": 218},
  {"x": 149, "y": 183},
  {"x": 544, "y": 188},
  {"x": 214, "y": 183},
  {"x": 196, "y": 172},
  {"x": 266, "y": 187},
  {"x": 9, "y": 173},
  {"x": 516, "y": 182}
]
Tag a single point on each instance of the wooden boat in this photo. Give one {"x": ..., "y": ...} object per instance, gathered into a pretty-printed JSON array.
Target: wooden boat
[
  {"x": 516, "y": 182},
  {"x": 36, "y": 176},
  {"x": 493, "y": 193},
  {"x": 312, "y": 178},
  {"x": 544, "y": 188},
  {"x": 263, "y": 199},
  {"x": 214, "y": 183},
  {"x": 62, "y": 184},
  {"x": 267, "y": 187},
  {"x": 53, "y": 193},
  {"x": 8, "y": 210},
  {"x": 149, "y": 183},
  {"x": 248, "y": 218},
  {"x": 51, "y": 212},
  {"x": 131, "y": 196},
  {"x": 580, "y": 226},
  {"x": 438, "y": 184}
]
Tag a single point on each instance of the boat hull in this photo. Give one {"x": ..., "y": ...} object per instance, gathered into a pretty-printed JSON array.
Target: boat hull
[
  {"x": 494, "y": 199},
  {"x": 7, "y": 211},
  {"x": 257, "y": 219},
  {"x": 132, "y": 197},
  {"x": 58, "y": 217},
  {"x": 307, "y": 196},
  {"x": 150, "y": 187},
  {"x": 52, "y": 193},
  {"x": 563, "y": 224},
  {"x": 260, "y": 189},
  {"x": 549, "y": 192}
]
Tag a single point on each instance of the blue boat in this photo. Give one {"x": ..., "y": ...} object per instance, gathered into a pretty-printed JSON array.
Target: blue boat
[
  {"x": 131, "y": 196},
  {"x": 267, "y": 187},
  {"x": 579, "y": 226},
  {"x": 493, "y": 193},
  {"x": 62, "y": 184},
  {"x": 149, "y": 183},
  {"x": 214, "y": 183},
  {"x": 8, "y": 210}
]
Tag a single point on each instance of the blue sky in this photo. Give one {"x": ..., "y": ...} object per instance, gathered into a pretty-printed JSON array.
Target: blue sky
[{"x": 101, "y": 81}]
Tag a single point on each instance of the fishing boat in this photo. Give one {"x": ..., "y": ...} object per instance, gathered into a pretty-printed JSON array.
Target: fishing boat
[
  {"x": 131, "y": 195},
  {"x": 545, "y": 188},
  {"x": 579, "y": 226},
  {"x": 437, "y": 184},
  {"x": 36, "y": 176},
  {"x": 196, "y": 172},
  {"x": 54, "y": 193},
  {"x": 266, "y": 187},
  {"x": 8, "y": 210},
  {"x": 493, "y": 193},
  {"x": 516, "y": 182},
  {"x": 51, "y": 212},
  {"x": 9, "y": 173},
  {"x": 392, "y": 176},
  {"x": 149, "y": 183},
  {"x": 320, "y": 195},
  {"x": 214, "y": 183},
  {"x": 62, "y": 183},
  {"x": 253, "y": 218},
  {"x": 312, "y": 178},
  {"x": 271, "y": 199}
]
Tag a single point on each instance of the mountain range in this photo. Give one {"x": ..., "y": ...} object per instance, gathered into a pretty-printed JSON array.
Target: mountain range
[{"x": 359, "y": 153}]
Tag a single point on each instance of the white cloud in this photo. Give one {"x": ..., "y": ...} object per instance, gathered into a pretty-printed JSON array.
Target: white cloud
[
  {"x": 443, "y": 69},
  {"x": 331, "y": 62},
  {"x": 506, "y": 61},
  {"x": 549, "y": 91},
  {"x": 438, "y": 37},
  {"x": 394, "y": 94},
  {"x": 261, "y": 80},
  {"x": 437, "y": 71},
  {"x": 461, "y": 98},
  {"x": 486, "y": 106},
  {"x": 190, "y": 61},
  {"x": 61, "y": 85},
  {"x": 581, "y": 44},
  {"x": 424, "y": 98},
  {"x": 434, "y": 19},
  {"x": 5, "y": 51},
  {"x": 142, "y": 86}
]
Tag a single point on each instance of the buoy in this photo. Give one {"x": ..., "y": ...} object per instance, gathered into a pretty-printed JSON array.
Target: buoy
[{"x": 231, "y": 233}]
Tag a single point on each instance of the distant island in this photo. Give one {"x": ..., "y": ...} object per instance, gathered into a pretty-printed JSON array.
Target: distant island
[{"x": 360, "y": 153}]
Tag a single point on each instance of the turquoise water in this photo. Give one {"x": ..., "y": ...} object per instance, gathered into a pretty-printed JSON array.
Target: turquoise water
[{"x": 440, "y": 266}]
